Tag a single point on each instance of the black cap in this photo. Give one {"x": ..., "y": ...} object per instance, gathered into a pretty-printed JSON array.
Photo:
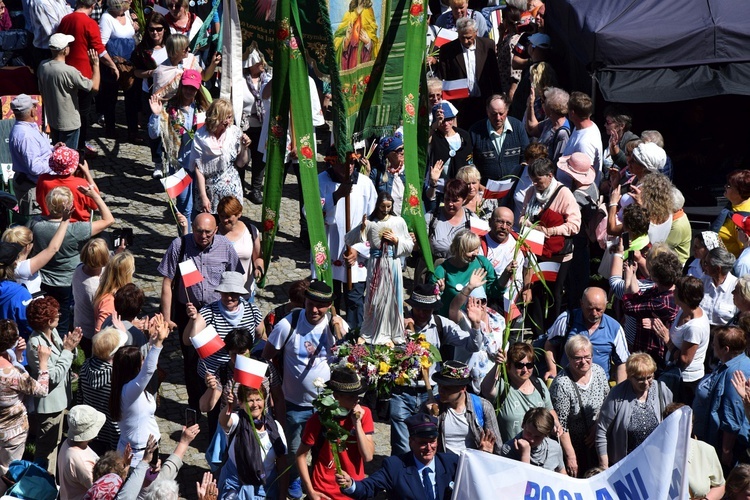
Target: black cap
[
  {"x": 9, "y": 253},
  {"x": 422, "y": 425},
  {"x": 425, "y": 296},
  {"x": 319, "y": 291},
  {"x": 346, "y": 381},
  {"x": 453, "y": 373}
]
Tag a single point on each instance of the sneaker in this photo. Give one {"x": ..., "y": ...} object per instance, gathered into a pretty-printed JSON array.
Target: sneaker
[
  {"x": 158, "y": 171},
  {"x": 295, "y": 489},
  {"x": 255, "y": 196}
]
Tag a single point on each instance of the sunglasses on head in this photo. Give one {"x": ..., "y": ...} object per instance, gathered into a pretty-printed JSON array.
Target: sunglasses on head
[{"x": 519, "y": 365}]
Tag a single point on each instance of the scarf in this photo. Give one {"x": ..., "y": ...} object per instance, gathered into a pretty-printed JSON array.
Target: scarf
[
  {"x": 247, "y": 451},
  {"x": 105, "y": 488},
  {"x": 172, "y": 130},
  {"x": 260, "y": 110},
  {"x": 173, "y": 23},
  {"x": 234, "y": 318},
  {"x": 539, "y": 200}
]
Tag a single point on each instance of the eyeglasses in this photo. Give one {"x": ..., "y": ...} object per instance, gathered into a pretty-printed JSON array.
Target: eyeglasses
[
  {"x": 578, "y": 359},
  {"x": 204, "y": 231},
  {"x": 502, "y": 222},
  {"x": 520, "y": 366},
  {"x": 156, "y": 29},
  {"x": 400, "y": 151}
]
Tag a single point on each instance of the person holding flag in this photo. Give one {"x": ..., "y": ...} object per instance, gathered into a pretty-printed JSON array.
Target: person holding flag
[
  {"x": 176, "y": 124},
  {"x": 192, "y": 269},
  {"x": 256, "y": 448}
]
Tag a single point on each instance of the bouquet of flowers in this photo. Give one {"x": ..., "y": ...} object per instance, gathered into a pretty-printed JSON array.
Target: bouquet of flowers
[
  {"x": 411, "y": 358},
  {"x": 359, "y": 358}
]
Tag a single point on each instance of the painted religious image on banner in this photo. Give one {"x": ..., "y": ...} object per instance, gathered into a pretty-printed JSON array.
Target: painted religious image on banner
[{"x": 355, "y": 38}]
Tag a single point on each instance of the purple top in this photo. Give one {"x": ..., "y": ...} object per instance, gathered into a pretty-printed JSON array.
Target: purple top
[{"x": 29, "y": 150}]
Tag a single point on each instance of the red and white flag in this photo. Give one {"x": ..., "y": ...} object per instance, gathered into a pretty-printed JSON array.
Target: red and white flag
[
  {"x": 534, "y": 241},
  {"x": 207, "y": 342},
  {"x": 455, "y": 89},
  {"x": 498, "y": 189},
  {"x": 249, "y": 372},
  {"x": 445, "y": 35},
  {"x": 176, "y": 183},
  {"x": 190, "y": 273},
  {"x": 548, "y": 270},
  {"x": 511, "y": 309},
  {"x": 480, "y": 227}
]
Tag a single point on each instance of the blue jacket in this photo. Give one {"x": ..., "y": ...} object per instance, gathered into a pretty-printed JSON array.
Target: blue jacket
[
  {"x": 723, "y": 410},
  {"x": 508, "y": 162},
  {"x": 398, "y": 476},
  {"x": 13, "y": 301}
]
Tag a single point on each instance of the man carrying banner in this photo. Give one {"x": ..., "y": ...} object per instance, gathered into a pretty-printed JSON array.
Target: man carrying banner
[
  {"x": 419, "y": 474},
  {"x": 210, "y": 255},
  {"x": 605, "y": 333}
]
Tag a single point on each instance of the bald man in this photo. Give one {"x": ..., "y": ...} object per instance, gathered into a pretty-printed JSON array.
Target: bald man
[
  {"x": 606, "y": 334},
  {"x": 499, "y": 246},
  {"x": 212, "y": 254}
]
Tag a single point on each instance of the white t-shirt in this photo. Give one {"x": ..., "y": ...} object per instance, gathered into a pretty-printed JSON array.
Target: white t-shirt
[
  {"x": 584, "y": 140},
  {"x": 305, "y": 357},
  {"x": 159, "y": 56},
  {"x": 695, "y": 331},
  {"x": 658, "y": 233},
  {"x": 269, "y": 455},
  {"x": 456, "y": 431},
  {"x": 500, "y": 255},
  {"x": 32, "y": 282}
]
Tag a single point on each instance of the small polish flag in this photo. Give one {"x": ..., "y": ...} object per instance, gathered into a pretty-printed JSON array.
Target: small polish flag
[
  {"x": 190, "y": 273},
  {"x": 511, "y": 309},
  {"x": 480, "y": 227},
  {"x": 548, "y": 270},
  {"x": 249, "y": 372},
  {"x": 455, "y": 89},
  {"x": 534, "y": 241},
  {"x": 444, "y": 36},
  {"x": 207, "y": 342},
  {"x": 176, "y": 183},
  {"x": 497, "y": 189}
]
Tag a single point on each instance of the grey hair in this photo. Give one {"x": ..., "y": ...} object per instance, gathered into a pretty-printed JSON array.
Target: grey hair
[
  {"x": 557, "y": 100},
  {"x": 678, "y": 200},
  {"x": 721, "y": 258},
  {"x": 466, "y": 24},
  {"x": 743, "y": 282},
  {"x": 653, "y": 136},
  {"x": 433, "y": 83},
  {"x": 162, "y": 489},
  {"x": 518, "y": 4},
  {"x": 577, "y": 343}
]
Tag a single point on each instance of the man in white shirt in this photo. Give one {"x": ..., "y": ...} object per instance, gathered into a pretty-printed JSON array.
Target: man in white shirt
[
  {"x": 586, "y": 138},
  {"x": 499, "y": 246},
  {"x": 44, "y": 17}
]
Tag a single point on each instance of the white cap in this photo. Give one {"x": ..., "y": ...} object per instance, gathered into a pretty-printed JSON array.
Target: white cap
[{"x": 59, "y": 41}]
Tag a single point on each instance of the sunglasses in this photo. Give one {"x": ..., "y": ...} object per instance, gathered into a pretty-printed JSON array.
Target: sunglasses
[
  {"x": 157, "y": 29},
  {"x": 519, "y": 365}
]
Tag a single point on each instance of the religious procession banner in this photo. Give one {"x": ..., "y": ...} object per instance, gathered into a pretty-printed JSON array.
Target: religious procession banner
[{"x": 657, "y": 469}]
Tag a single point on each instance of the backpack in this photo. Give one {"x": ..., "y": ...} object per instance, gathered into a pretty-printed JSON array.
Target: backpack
[
  {"x": 278, "y": 360},
  {"x": 478, "y": 410}
]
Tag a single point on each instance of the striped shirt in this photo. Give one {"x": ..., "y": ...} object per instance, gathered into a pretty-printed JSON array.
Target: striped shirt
[
  {"x": 94, "y": 384},
  {"x": 211, "y": 261},
  {"x": 212, "y": 315}
]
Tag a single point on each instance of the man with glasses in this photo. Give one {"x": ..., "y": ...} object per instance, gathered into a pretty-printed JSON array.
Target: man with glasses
[
  {"x": 212, "y": 254},
  {"x": 499, "y": 246},
  {"x": 605, "y": 333}
]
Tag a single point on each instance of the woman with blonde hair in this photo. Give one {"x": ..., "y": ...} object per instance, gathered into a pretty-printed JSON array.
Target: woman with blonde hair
[
  {"x": 94, "y": 256},
  {"x": 57, "y": 274},
  {"x": 219, "y": 148},
  {"x": 27, "y": 268},
  {"x": 117, "y": 273},
  {"x": 475, "y": 200}
]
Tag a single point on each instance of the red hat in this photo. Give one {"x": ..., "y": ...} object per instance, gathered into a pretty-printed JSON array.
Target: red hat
[
  {"x": 63, "y": 161},
  {"x": 743, "y": 222},
  {"x": 191, "y": 78}
]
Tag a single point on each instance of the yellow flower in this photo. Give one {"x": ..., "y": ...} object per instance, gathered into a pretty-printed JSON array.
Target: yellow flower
[
  {"x": 425, "y": 362},
  {"x": 401, "y": 379},
  {"x": 422, "y": 337},
  {"x": 425, "y": 345},
  {"x": 350, "y": 366},
  {"x": 383, "y": 368}
]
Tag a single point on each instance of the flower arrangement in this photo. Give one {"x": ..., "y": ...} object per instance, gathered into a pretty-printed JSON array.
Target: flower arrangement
[
  {"x": 330, "y": 413},
  {"x": 410, "y": 358},
  {"x": 359, "y": 358}
]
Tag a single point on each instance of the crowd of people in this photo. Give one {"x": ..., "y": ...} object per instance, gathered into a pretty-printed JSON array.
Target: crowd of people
[{"x": 522, "y": 189}]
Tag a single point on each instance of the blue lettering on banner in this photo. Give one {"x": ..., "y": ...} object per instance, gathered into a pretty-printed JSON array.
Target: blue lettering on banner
[
  {"x": 674, "y": 488},
  {"x": 634, "y": 490},
  {"x": 603, "y": 494},
  {"x": 537, "y": 492}
]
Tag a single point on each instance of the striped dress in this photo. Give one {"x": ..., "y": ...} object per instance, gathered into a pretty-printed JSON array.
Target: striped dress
[
  {"x": 212, "y": 314},
  {"x": 94, "y": 384}
]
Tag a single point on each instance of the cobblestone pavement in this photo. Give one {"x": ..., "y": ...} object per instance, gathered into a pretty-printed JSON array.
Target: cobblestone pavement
[{"x": 123, "y": 174}]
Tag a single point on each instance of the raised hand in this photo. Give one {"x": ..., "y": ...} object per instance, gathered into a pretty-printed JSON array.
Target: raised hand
[
  {"x": 155, "y": 104},
  {"x": 478, "y": 278},
  {"x": 207, "y": 489},
  {"x": 435, "y": 172},
  {"x": 487, "y": 441},
  {"x": 474, "y": 311},
  {"x": 72, "y": 339},
  {"x": 151, "y": 446}
]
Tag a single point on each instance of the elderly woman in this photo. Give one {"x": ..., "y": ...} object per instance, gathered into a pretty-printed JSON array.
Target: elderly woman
[
  {"x": 256, "y": 457},
  {"x": 703, "y": 242},
  {"x": 617, "y": 123},
  {"x": 245, "y": 240},
  {"x": 632, "y": 410},
  {"x": 578, "y": 393},
  {"x": 475, "y": 200},
  {"x": 688, "y": 338},
  {"x": 554, "y": 210},
  {"x": 118, "y": 36},
  {"x": 230, "y": 312},
  {"x": 95, "y": 382},
  {"x": 181, "y": 21},
  {"x": 719, "y": 284},
  {"x": 218, "y": 148},
  {"x": 554, "y": 131},
  {"x": 737, "y": 191},
  {"x": 117, "y": 273},
  {"x": 446, "y": 221},
  {"x": 43, "y": 316},
  {"x": 57, "y": 275},
  {"x": 722, "y": 422},
  {"x": 14, "y": 385},
  {"x": 453, "y": 276},
  {"x": 524, "y": 392},
  {"x": 741, "y": 296}
]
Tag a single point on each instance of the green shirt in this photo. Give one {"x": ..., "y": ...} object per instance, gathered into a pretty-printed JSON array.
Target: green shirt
[{"x": 456, "y": 279}]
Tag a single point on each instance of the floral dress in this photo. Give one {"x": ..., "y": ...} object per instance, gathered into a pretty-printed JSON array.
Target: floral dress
[{"x": 215, "y": 157}]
